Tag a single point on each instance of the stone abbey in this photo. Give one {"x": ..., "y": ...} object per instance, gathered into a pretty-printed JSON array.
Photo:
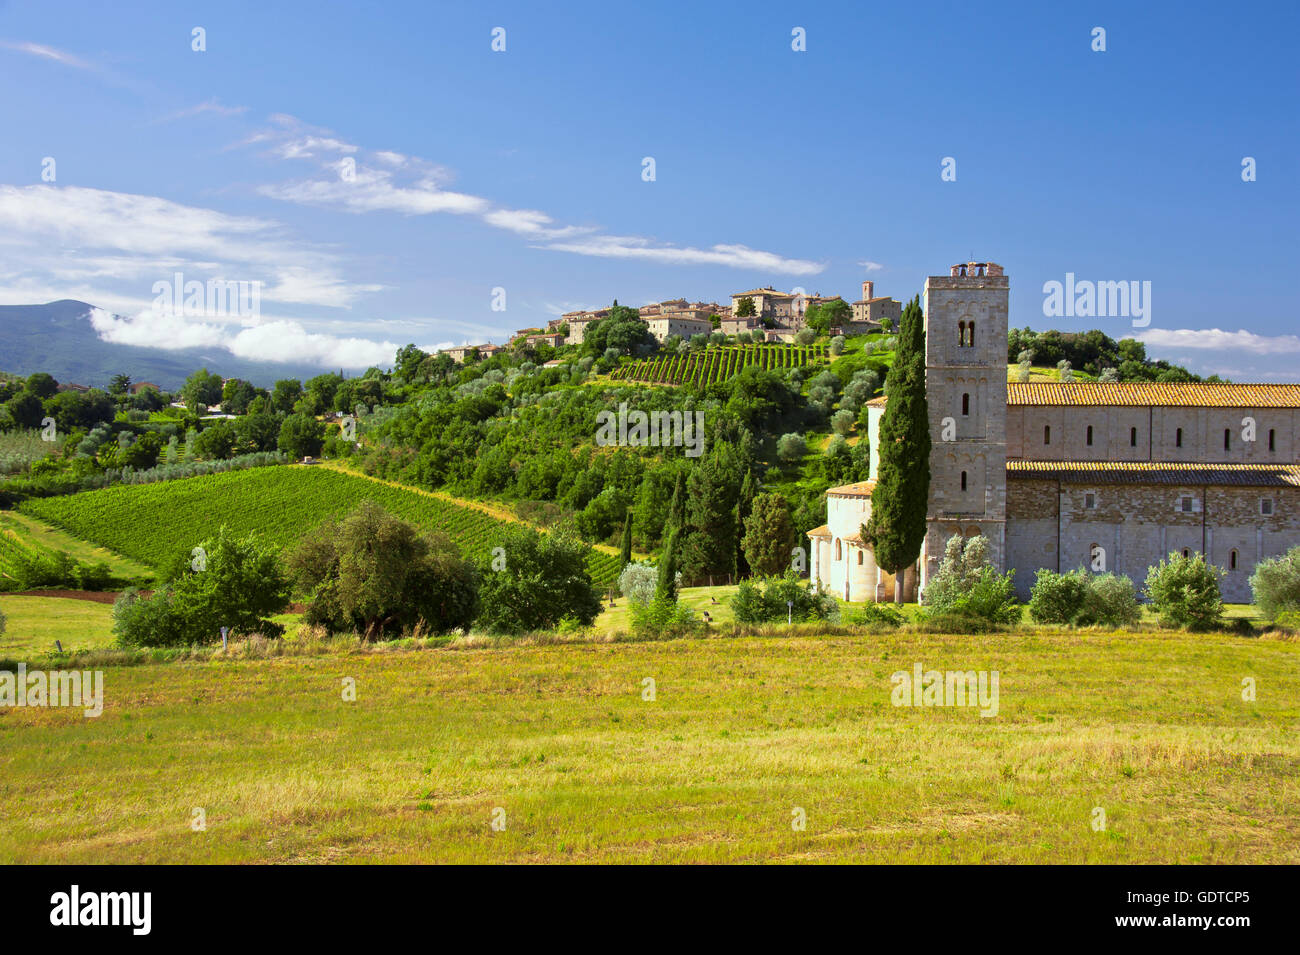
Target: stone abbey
[{"x": 1110, "y": 477}]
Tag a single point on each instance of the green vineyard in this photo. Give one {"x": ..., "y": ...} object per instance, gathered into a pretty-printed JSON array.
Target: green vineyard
[
  {"x": 151, "y": 522},
  {"x": 716, "y": 364}
]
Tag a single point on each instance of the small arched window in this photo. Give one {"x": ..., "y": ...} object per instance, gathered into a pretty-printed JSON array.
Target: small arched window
[
  {"x": 965, "y": 404},
  {"x": 1089, "y": 435},
  {"x": 1047, "y": 434},
  {"x": 970, "y": 334},
  {"x": 1232, "y": 559},
  {"x": 1132, "y": 437},
  {"x": 963, "y": 480},
  {"x": 1272, "y": 439},
  {"x": 961, "y": 334},
  {"x": 1186, "y": 552},
  {"x": 1227, "y": 439},
  {"x": 1178, "y": 438}
]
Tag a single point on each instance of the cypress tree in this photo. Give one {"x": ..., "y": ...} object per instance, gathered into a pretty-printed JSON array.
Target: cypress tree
[
  {"x": 900, "y": 499},
  {"x": 677, "y": 509},
  {"x": 626, "y": 555},
  {"x": 666, "y": 586}
]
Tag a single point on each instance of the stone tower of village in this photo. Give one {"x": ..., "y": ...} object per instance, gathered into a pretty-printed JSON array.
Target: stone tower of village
[{"x": 966, "y": 391}]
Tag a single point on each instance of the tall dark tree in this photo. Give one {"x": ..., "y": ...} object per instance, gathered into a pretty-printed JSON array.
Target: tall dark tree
[
  {"x": 748, "y": 491},
  {"x": 625, "y": 557},
  {"x": 666, "y": 586},
  {"x": 896, "y": 528}
]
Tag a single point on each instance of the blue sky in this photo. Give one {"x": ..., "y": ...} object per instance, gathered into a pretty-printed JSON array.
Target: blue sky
[{"x": 522, "y": 169}]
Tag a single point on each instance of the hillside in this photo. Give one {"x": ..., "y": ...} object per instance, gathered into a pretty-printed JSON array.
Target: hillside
[
  {"x": 57, "y": 338},
  {"x": 152, "y": 522}
]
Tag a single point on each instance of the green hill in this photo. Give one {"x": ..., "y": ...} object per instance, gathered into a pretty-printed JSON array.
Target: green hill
[{"x": 151, "y": 522}]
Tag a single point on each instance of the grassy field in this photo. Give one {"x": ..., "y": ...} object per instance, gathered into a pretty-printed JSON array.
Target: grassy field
[
  {"x": 34, "y": 623},
  {"x": 742, "y": 734}
]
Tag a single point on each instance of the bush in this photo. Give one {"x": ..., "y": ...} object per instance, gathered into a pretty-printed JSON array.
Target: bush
[
  {"x": 539, "y": 580},
  {"x": 966, "y": 584},
  {"x": 1184, "y": 592},
  {"x": 773, "y": 602},
  {"x": 1110, "y": 601},
  {"x": 842, "y": 421},
  {"x": 238, "y": 585},
  {"x": 1275, "y": 585},
  {"x": 1058, "y": 598},
  {"x": 877, "y": 615},
  {"x": 992, "y": 597},
  {"x": 791, "y": 447},
  {"x": 1082, "y": 599},
  {"x": 837, "y": 345},
  {"x": 637, "y": 583},
  {"x": 661, "y": 619}
]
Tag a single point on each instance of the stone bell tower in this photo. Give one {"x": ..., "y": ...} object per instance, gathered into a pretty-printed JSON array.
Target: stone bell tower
[{"x": 966, "y": 392}]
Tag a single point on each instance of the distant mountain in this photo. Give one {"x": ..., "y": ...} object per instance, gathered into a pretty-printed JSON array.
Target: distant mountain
[{"x": 57, "y": 337}]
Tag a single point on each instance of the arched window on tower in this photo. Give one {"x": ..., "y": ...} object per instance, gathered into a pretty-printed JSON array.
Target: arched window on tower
[
  {"x": 1227, "y": 439},
  {"x": 1178, "y": 438},
  {"x": 970, "y": 334},
  {"x": 965, "y": 403},
  {"x": 1047, "y": 434},
  {"x": 963, "y": 480},
  {"x": 961, "y": 334},
  {"x": 1232, "y": 559},
  {"x": 1272, "y": 439},
  {"x": 1089, "y": 435}
]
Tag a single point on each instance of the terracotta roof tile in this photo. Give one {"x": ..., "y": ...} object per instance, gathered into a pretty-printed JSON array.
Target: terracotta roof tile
[
  {"x": 1147, "y": 472},
  {"x": 1148, "y": 393},
  {"x": 860, "y": 489}
]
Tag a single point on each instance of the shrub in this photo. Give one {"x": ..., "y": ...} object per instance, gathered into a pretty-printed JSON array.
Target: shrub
[
  {"x": 1082, "y": 599},
  {"x": 791, "y": 447},
  {"x": 542, "y": 579},
  {"x": 1110, "y": 601},
  {"x": 966, "y": 584},
  {"x": 842, "y": 421},
  {"x": 1184, "y": 592},
  {"x": 662, "y": 618},
  {"x": 782, "y": 598},
  {"x": 1275, "y": 585},
  {"x": 1058, "y": 598},
  {"x": 991, "y": 598},
  {"x": 837, "y": 345},
  {"x": 876, "y": 615},
  {"x": 637, "y": 583}
]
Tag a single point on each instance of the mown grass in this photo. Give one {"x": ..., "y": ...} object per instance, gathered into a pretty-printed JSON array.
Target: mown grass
[
  {"x": 33, "y": 624},
  {"x": 1150, "y": 727}
]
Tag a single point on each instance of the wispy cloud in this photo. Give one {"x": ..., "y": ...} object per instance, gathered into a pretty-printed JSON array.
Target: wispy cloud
[
  {"x": 362, "y": 181},
  {"x": 1241, "y": 355},
  {"x": 49, "y": 53},
  {"x": 209, "y": 106}
]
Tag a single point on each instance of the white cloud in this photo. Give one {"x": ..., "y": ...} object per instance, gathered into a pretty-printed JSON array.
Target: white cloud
[
  {"x": 734, "y": 256},
  {"x": 49, "y": 53},
  {"x": 1216, "y": 339},
  {"x": 871, "y": 266},
  {"x": 278, "y": 340},
  {"x": 1239, "y": 356},
  {"x": 209, "y": 106},
  {"x": 72, "y": 233},
  {"x": 366, "y": 187}
]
